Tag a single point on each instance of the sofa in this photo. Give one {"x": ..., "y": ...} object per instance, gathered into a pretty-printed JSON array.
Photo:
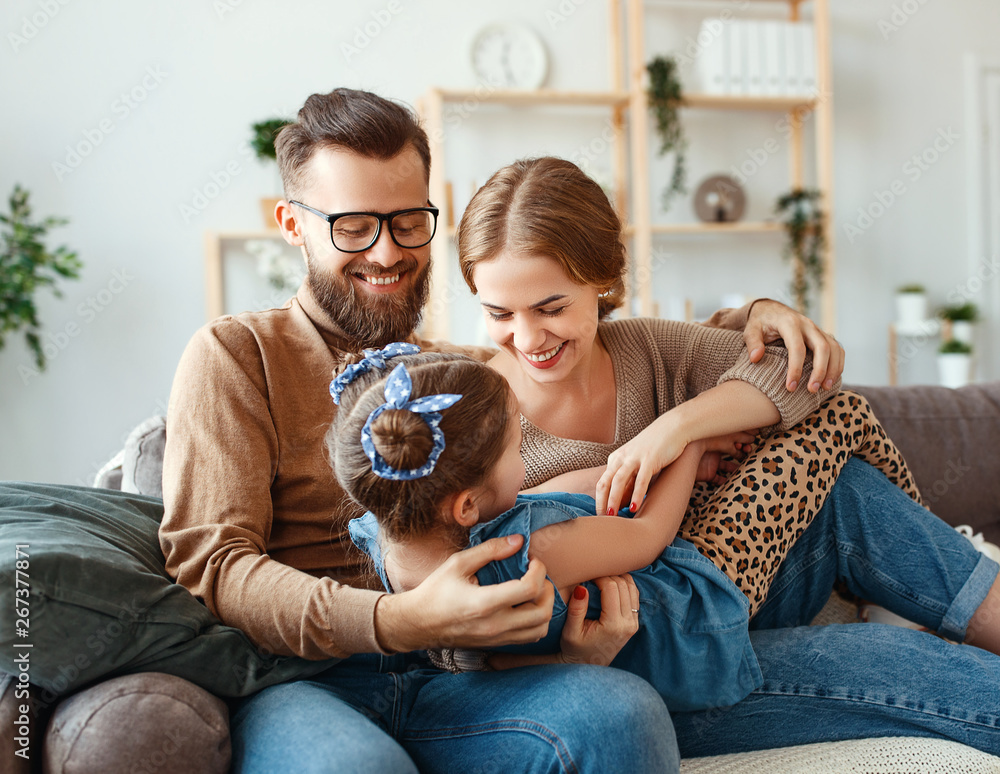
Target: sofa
[{"x": 155, "y": 718}]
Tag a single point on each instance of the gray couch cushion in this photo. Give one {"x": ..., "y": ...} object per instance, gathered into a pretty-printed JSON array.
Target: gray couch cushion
[
  {"x": 142, "y": 459},
  {"x": 148, "y": 722},
  {"x": 949, "y": 439}
]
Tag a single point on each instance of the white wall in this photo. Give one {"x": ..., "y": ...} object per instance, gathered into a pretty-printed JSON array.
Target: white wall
[{"x": 200, "y": 73}]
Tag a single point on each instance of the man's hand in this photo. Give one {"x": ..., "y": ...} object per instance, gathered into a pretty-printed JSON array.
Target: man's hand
[
  {"x": 450, "y": 610},
  {"x": 770, "y": 321}
]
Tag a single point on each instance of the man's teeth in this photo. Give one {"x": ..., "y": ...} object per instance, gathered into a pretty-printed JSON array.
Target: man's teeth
[
  {"x": 545, "y": 355},
  {"x": 381, "y": 280}
]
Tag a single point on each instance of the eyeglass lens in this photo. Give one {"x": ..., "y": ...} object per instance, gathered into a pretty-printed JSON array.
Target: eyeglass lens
[{"x": 413, "y": 228}]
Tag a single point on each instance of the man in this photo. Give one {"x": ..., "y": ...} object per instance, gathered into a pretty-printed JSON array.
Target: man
[{"x": 255, "y": 524}]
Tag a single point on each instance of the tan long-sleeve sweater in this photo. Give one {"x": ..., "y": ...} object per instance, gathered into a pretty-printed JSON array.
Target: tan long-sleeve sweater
[
  {"x": 659, "y": 364},
  {"x": 255, "y": 524}
]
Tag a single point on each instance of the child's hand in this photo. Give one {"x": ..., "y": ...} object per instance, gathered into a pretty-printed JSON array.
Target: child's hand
[{"x": 734, "y": 444}]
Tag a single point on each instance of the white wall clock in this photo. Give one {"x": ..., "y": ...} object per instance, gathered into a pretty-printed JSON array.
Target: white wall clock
[{"x": 509, "y": 56}]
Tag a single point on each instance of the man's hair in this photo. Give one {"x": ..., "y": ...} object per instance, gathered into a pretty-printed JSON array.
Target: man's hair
[
  {"x": 547, "y": 206},
  {"x": 358, "y": 121}
]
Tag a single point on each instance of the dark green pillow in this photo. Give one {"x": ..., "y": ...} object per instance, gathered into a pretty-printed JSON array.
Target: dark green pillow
[{"x": 100, "y": 602}]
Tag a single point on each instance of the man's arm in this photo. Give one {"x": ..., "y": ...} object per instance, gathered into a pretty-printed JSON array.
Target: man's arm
[
  {"x": 765, "y": 321},
  {"x": 221, "y": 461}
]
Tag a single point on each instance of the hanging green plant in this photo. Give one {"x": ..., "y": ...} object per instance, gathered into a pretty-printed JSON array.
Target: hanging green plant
[
  {"x": 26, "y": 265},
  {"x": 799, "y": 211},
  {"x": 665, "y": 100}
]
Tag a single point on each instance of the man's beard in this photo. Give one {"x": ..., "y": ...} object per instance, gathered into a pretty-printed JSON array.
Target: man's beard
[{"x": 369, "y": 320}]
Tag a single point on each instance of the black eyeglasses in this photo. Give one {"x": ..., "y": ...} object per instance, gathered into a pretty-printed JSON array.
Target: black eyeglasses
[{"x": 355, "y": 232}]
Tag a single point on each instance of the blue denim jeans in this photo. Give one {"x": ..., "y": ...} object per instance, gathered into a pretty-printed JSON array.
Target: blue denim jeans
[
  {"x": 865, "y": 680},
  {"x": 378, "y": 714}
]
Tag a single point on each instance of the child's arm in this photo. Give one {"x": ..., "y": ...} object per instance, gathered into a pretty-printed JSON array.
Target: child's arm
[{"x": 593, "y": 546}]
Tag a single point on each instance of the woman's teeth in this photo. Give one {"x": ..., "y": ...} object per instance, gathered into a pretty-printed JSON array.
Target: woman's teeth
[{"x": 545, "y": 355}]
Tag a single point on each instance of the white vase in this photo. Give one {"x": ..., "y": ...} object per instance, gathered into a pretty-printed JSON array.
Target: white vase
[
  {"x": 962, "y": 330},
  {"x": 954, "y": 368},
  {"x": 911, "y": 310}
]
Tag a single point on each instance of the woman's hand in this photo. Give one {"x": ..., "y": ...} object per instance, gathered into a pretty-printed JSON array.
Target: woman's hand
[
  {"x": 586, "y": 641},
  {"x": 770, "y": 321},
  {"x": 633, "y": 465},
  {"x": 449, "y": 609}
]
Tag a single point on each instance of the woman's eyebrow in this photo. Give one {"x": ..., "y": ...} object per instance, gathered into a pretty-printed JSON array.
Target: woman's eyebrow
[{"x": 543, "y": 302}]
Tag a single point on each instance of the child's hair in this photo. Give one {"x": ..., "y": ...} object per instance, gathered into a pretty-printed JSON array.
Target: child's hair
[
  {"x": 547, "y": 206},
  {"x": 474, "y": 430}
]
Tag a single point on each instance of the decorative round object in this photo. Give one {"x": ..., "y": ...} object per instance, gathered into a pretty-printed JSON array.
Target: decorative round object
[
  {"x": 719, "y": 199},
  {"x": 509, "y": 56}
]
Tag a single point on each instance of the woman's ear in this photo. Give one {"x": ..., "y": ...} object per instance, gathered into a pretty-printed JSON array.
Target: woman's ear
[{"x": 464, "y": 510}]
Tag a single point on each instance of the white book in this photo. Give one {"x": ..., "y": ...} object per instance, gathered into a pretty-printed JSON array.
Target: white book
[
  {"x": 735, "y": 37},
  {"x": 793, "y": 59},
  {"x": 773, "y": 44},
  {"x": 711, "y": 62},
  {"x": 807, "y": 37},
  {"x": 754, "y": 58}
]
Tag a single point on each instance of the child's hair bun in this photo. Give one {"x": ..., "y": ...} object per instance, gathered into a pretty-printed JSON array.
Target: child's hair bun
[{"x": 402, "y": 438}]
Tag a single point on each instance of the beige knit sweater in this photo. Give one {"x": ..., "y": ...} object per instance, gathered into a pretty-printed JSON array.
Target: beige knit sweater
[
  {"x": 255, "y": 524},
  {"x": 659, "y": 364}
]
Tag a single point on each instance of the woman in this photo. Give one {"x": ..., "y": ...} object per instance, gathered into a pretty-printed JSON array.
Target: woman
[{"x": 542, "y": 246}]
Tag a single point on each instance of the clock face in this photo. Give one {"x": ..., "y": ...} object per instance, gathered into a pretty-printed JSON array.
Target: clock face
[{"x": 509, "y": 57}]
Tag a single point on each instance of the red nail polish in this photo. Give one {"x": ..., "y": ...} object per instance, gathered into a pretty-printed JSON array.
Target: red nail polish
[
  {"x": 633, "y": 508},
  {"x": 611, "y": 511},
  {"x": 579, "y": 592}
]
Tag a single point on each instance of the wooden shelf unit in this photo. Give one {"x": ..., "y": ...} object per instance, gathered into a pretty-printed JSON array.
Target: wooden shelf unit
[
  {"x": 639, "y": 132},
  {"x": 630, "y": 151}
]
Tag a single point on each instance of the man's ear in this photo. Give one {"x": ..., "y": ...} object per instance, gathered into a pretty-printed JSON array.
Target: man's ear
[
  {"x": 288, "y": 223},
  {"x": 464, "y": 510}
]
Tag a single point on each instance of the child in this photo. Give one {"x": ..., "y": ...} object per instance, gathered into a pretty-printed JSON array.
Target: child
[{"x": 431, "y": 450}]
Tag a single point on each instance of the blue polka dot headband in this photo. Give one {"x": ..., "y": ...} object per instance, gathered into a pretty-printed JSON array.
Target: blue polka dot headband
[
  {"x": 374, "y": 358},
  {"x": 397, "y": 396}
]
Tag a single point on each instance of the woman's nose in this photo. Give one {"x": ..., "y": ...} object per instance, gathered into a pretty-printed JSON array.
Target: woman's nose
[{"x": 528, "y": 336}]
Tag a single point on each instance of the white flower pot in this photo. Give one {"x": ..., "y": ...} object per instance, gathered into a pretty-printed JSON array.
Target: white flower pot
[
  {"x": 962, "y": 330},
  {"x": 955, "y": 369},
  {"x": 911, "y": 310}
]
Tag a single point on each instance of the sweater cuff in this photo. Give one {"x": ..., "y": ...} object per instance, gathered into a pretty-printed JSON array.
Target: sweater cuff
[
  {"x": 350, "y": 624},
  {"x": 769, "y": 376}
]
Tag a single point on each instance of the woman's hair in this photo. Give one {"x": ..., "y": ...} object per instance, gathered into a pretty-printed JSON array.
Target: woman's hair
[
  {"x": 474, "y": 428},
  {"x": 550, "y": 207},
  {"x": 358, "y": 121}
]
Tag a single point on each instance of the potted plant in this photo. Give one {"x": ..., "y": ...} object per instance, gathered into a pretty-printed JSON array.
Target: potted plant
[
  {"x": 27, "y": 264},
  {"x": 911, "y": 307},
  {"x": 665, "y": 100},
  {"x": 800, "y": 212},
  {"x": 262, "y": 142},
  {"x": 961, "y": 317},
  {"x": 955, "y": 363}
]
